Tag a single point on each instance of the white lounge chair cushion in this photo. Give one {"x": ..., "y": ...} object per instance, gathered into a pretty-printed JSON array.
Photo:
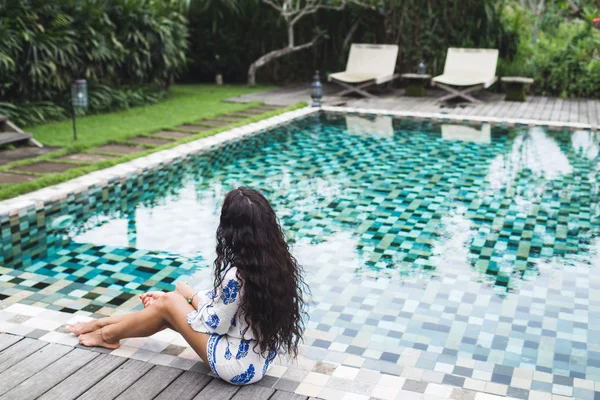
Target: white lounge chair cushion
[
  {"x": 369, "y": 62},
  {"x": 468, "y": 67},
  {"x": 456, "y": 80}
]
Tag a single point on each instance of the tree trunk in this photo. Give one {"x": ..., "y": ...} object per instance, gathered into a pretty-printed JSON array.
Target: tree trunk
[{"x": 272, "y": 56}]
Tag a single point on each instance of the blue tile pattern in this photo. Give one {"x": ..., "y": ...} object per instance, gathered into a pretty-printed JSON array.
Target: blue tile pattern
[{"x": 421, "y": 248}]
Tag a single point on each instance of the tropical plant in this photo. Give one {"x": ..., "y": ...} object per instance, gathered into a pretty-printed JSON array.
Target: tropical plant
[
  {"x": 422, "y": 29},
  {"x": 122, "y": 45}
]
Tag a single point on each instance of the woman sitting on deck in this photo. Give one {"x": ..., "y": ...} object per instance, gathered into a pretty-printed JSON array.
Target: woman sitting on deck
[{"x": 254, "y": 310}]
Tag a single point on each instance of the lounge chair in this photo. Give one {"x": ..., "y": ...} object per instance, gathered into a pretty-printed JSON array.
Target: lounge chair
[
  {"x": 368, "y": 65},
  {"x": 469, "y": 69},
  {"x": 466, "y": 133}
]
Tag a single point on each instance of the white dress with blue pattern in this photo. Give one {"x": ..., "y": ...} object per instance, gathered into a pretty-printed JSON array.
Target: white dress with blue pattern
[{"x": 230, "y": 353}]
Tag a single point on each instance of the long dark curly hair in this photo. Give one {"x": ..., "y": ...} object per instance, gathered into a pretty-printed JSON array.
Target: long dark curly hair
[{"x": 250, "y": 239}]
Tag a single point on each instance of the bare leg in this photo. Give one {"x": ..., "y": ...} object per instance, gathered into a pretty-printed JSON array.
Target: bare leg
[
  {"x": 85, "y": 327},
  {"x": 81, "y": 328},
  {"x": 170, "y": 309}
]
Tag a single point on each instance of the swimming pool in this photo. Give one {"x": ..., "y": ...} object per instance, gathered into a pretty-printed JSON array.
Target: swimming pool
[{"x": 423, "y": 243}]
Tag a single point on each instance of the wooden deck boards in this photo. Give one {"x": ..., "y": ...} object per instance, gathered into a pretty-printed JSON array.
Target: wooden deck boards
[
  {"x": 537, "y": 108},
  {"x": 32, "y": 369}
]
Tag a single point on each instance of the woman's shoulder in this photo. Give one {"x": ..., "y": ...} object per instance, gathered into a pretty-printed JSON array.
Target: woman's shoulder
[{"x": 231, "y": 274}]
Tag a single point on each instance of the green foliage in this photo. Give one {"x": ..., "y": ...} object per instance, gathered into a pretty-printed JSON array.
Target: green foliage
[
  {"x": 32, "y": 113},
  {"x": 568, "y": 61},
  {"x": 559, "y": 47},
  {"x": 422, "y": 29},
  {"x": 103, "y": 98},
  {"x": 117, "y": 45}
]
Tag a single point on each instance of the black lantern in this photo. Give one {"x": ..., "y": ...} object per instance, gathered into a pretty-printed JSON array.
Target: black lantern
[
  {"x": 317, "y": 91},
  {"x": 79, "y": 98}
]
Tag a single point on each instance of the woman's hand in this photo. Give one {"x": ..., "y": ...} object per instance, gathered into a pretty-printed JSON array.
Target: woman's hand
[{"x": 184, "y": 289}]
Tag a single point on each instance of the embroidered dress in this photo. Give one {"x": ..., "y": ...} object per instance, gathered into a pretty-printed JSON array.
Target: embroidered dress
[{"x": 230, "y": 353}]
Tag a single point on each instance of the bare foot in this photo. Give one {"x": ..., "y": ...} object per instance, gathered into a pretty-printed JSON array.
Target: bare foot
[
  {"x": 95, "y": 339},
  {"x": 150, "y": 297},
  {"x": 83, "y": 327}
]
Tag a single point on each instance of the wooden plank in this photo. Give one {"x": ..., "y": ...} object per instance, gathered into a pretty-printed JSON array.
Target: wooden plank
[
  {"x": 13, "y": 137},
  {"x": 32, "y": 364},
  {"x": 565, "y": 111},
  {"x": 592, "y": 113},
  {"x": 539, "y": 110},
  {"x": 50, "y": 376},
  {"x": 548, "y": 107},
  {"x": 186, "y": 387},
  {"x": 597, "y": 111},
  {"x": 512, "y": 111},
  {"x": 563, "y": 116},
  {"x": 502, "y": 109},
  {"x": 117, "y": 381},
  {"x": 254, "y": 392},
  {"x": 491, "y": 108},
  {"x": 85, "y": 378},
  {"x": 217, "y": 390},
  {"x": 151, "y": 384},
  {"x": 19, "y": 351},
  {"x": 573, "y": 110},
  {"x": 583, "y": 112},
  {"x": 8, "y": 340},
  {"x": 558, "y": 104},
  {"x": 280, "y": 395}
]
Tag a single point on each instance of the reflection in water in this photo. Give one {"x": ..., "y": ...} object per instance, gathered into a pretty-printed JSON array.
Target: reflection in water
[
  {"x": 466, "y": 133},
  {"x": 413, "y": 204},
  {"x": 586, "y": 144},
  {"x": 378, "y": 126}
]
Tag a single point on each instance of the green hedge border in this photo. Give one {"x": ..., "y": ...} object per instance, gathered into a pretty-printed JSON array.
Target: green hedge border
[{"x": 13, "y": 190}]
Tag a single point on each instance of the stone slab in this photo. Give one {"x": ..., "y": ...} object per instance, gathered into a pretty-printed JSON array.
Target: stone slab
[
  {"x": 46, "y": 167},
  {"x": 8, "y": 178},
  {"x": 86, "y": 157},
  {"x": 119, "y": 149},
  {"x": 150, "y": 141},
  {"x": 172, "y": 134}
]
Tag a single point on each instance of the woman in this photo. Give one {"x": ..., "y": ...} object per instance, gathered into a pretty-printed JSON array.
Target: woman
[{"x": 253, "y": 312}]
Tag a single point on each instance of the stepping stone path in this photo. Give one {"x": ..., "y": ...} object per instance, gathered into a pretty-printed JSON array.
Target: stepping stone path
[
  {"x": 213, "y": 122},
  {"x": 21, "y": 153},
  {"x": 86, "y": 157},
  {"x": 232, "y": 119},
  {"x": 45, "y": 167},
  {"x": 237, "y": 116},
  {"x": 119, "y": 149},
  {"x": 194, "y": 128},
  {"x": 151, "y": 141},
  {"x": 172, "y": 134},
  {"x": 8, "y": 178}
]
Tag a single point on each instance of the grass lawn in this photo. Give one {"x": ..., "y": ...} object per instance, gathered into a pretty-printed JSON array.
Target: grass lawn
[{"x": 184, "y": 103}]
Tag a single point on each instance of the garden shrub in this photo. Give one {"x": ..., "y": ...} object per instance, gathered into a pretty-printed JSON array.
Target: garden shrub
[
  {"x": 128, "y": 50},
  {"x": 423, "y": 29}
]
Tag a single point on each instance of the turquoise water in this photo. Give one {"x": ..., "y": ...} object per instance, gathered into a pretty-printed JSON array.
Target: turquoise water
[{"x": 463, "y": 241}]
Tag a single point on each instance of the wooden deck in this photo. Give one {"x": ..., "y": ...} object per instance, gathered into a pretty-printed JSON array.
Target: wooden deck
[
  {"x": 581, "y": 111},
  {"x": 33, "y": 369},
  {"x": 11, "y": 134}
]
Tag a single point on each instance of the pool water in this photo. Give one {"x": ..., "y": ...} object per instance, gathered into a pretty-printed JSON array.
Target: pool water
[{"x": 458, "y": 241}]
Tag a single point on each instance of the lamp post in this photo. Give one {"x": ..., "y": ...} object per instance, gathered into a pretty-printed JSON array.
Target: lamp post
[
  {"x": 79, "y": 98},
  {"x": 317, "y": 91}
]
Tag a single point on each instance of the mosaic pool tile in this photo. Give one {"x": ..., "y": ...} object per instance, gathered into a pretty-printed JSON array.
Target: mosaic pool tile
[{"x": 459, "y": 257}]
